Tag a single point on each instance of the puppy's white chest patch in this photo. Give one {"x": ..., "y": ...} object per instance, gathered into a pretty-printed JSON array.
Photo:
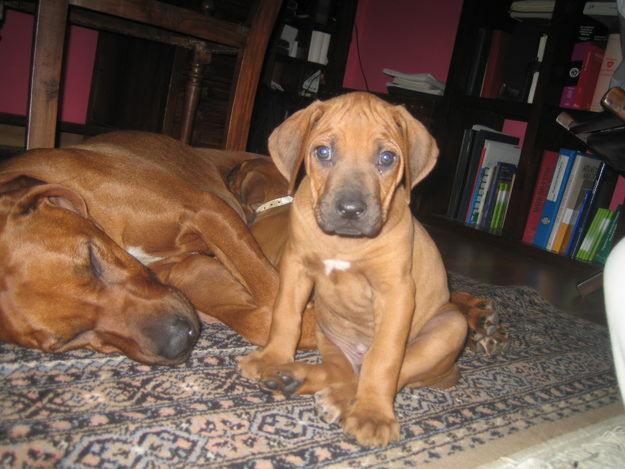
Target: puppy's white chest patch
[
  {"x": 138, "y": 253},
  {"x": 335, "y": 264}
]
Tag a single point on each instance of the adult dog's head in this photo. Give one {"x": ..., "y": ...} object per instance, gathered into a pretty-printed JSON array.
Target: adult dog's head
[
  {"x": 357, "y": 149},
  {"x": 65, "y": 284}
]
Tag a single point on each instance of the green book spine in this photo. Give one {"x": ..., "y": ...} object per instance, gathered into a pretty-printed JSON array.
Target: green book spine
[
  {"x": 584, "y": 247},
  {"x": 504, "y": 191},
  {"x": 504, "y": 206},
  {"x": 601, "y": 231},
  {"x": 606, "y": 243},
  {"x": 497, "y": 209}
]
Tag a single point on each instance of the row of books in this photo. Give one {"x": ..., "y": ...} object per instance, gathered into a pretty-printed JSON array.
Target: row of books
[
  {"x": 505, "y": 65},
  {"x": 576, "y": 206},
  {"x": 593, "y": 62},
  {"x": 484, "y": 178}
]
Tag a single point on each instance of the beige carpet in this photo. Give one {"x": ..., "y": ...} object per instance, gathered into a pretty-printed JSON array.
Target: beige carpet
[{"x": 84, "y": 409}]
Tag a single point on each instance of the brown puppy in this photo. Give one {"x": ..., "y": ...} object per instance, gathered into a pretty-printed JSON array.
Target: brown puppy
[{"x": 379, "y": 287}]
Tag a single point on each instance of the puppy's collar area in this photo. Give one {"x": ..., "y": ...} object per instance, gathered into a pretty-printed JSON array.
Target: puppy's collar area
[{"x": 287, "y": 199}]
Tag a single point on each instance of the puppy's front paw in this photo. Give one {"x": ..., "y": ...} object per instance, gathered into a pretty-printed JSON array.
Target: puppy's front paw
[
  {"x": 256, "y": 364},
  {"x": 371, "y": 427}
]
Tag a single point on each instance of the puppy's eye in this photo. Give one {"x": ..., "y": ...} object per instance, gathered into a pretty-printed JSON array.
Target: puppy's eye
[
  {"x": 323, "y": 153},
  {"x": 386, "y": 159}
]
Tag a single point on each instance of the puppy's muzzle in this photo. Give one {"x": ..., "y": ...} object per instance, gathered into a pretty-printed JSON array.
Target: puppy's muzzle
[
  {"x": 349, "y": 213},
  {"x": 350, "y": 206}
]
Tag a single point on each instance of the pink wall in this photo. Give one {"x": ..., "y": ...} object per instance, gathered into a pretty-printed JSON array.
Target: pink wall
[
  {"x": 16, "y": 37},
  {"x": 411, "y": 36}
]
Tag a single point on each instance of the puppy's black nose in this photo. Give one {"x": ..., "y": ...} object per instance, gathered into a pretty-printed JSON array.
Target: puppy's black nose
[
  {"x": 350, "y": 207},
  {"x": 178, "y": 336}
]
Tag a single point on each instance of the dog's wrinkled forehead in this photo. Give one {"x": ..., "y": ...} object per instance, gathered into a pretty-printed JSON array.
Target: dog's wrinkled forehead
[{"x": 366, "y": 118}]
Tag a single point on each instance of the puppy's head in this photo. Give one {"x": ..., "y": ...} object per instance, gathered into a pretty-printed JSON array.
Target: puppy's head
[{"x": 357, "y": 149}]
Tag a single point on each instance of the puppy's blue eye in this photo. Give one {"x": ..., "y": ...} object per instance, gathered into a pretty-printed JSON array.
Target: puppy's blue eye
[
  {"x": 386, "y": 159},
  {"x": 323, "y": 153}
]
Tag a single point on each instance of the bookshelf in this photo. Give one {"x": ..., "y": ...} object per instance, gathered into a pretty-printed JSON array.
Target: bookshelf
[{"x": 459, "y": 109}]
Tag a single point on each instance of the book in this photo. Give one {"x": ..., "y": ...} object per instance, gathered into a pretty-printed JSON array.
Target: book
[
  {"x": 472, "y": 169},
  {"x": 501, "y": 206},
  {"x": 318, "y": 49},
  {"x": 583, "y": 253},
  {"x": 478, "y": 193},
  {"x": 461, "y": 167},
  {"x": 608, "y": 239},
  {"x": 494, "y": 153},
  {"x": 503, "y": 172},
  {"x": 493, "y": 73},
  {"x": 581, "y": 178},
  {"x": 541, "y": 188},
  {"x": 554, "y": 196},
  {"x": 542, "y": 44},
  {"x": 581, "y": 76},
  {"x": 612, "y": 57},
  {"x": 478, "y": 62},
  {"x": 618, "y": 196},
  {"x": 599, "y": 196},
  {"x": 519, "y": 62},
  {"x": 602, "y": 229}
]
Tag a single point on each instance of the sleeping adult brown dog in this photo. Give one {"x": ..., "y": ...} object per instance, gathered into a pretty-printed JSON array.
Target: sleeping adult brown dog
[
  {"x": 111, "y": 244},
  {"x": 377, "y": 280}
]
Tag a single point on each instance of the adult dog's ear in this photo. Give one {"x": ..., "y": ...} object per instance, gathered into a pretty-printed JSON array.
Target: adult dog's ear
[
  {"x": 419, "y": 146},
  {"x": 53, "y": 194},
  {"x": 286, "y": 141}
]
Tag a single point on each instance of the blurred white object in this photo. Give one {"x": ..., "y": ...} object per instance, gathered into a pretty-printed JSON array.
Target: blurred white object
[{"x": 614, "y": 291}]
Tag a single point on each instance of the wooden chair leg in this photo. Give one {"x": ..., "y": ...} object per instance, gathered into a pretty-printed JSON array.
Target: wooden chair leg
[
  {"x": 251, "y": 62},
  {"x": 201, "y": 57},
  {"x": 47, "y": 62}
]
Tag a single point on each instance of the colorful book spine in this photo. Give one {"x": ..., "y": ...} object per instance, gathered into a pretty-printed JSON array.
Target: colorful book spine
[
  {"x": 547, "y": 167},
  {"x": 599, "y": 196},
  {"x": 618, "y": 196},
  {"x": 601, "y": 233},
  {"x": 494, "y": 67},
  {"x": 608, "y": 239},
  {"x": 503, "y": 172},
  {"x": 581, "y": 177},
  {"x": 578, "y": 223},
  {"x": 611, "y": 59},
  {"x": 554, "y": 196},
  {"x": 583, "y": 253},
  {"x": 582, "y": 75},
  {"x": 478, "y": 194}
]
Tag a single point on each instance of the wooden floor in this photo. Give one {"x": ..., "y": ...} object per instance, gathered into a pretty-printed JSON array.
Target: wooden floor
[{"x": 479, "y": 259}]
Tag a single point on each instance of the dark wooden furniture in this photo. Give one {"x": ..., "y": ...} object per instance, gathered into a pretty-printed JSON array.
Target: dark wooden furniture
[
  {"x": 161, "y": 22},
  {"x": 457, "y": 111}
]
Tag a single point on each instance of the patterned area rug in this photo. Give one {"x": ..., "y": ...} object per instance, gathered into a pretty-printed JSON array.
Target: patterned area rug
[{"x": 84, "y": 409}]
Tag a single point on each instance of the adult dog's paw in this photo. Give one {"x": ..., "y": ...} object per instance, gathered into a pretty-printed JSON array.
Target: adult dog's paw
[
  {"x": 257, "y": 364},
  {"x": 332, "y": 403},
  {"x": 371, "y": 427}
]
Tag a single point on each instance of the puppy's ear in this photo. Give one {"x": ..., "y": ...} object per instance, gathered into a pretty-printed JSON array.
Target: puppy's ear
[
  {"x": 420, "y": 147},
  {"x": 286, "y": 141}
]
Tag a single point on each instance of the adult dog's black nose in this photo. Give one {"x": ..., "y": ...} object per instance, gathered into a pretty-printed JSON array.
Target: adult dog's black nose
[
  {"x": 177, "y": 337},
  {"x": 350, "y": 206}
]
